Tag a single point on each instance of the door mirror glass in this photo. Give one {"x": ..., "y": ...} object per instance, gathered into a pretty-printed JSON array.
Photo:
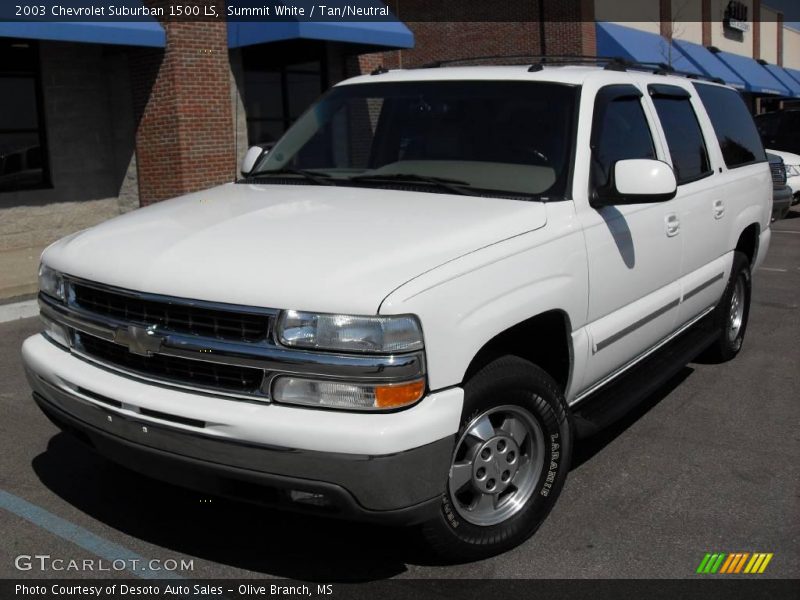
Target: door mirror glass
[{"x": 638, "y": 180}]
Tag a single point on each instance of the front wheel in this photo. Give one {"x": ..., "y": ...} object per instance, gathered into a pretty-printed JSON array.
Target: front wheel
[{"x": 510, "y": 461}]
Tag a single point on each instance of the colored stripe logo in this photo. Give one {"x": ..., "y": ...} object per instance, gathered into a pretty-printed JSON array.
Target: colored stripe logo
[{"x": 735, "y": 562}]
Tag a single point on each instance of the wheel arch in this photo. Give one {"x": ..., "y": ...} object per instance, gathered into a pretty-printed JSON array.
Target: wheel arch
[
  {"x": 555, "y": 357},
  {"x": 747, "y": 242}
]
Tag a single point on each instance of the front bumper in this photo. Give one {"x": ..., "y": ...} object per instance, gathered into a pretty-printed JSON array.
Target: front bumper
[{"x": 324, "y": 461}]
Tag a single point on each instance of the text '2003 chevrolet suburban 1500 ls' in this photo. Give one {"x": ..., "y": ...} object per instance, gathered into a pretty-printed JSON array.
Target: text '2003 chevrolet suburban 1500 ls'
[{"x": 412, "y": 304}]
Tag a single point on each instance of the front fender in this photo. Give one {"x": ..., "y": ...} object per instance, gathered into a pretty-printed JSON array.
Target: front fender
[{"x": 466, "y": 302}]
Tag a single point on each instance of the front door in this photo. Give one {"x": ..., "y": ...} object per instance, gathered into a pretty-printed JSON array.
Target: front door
[{"x": 634, "y": 251}]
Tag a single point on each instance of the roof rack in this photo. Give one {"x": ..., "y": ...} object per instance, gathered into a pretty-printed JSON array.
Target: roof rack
[
  {"x": 524, "y": 59},
  {"x": 538, "y": 62}
]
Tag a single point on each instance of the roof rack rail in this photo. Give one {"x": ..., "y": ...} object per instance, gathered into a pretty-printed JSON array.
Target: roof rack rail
[
  {"x": 537, "y": 63},
  {"x": 522, "y": 59},
  {"x": 665, "y": 69}
]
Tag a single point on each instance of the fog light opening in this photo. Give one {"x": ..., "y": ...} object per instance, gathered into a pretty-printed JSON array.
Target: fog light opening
[{"x": 310, "y": 498}]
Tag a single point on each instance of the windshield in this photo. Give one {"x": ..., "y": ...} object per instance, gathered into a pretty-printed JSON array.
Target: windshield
[{"x": 506, "y": 137}]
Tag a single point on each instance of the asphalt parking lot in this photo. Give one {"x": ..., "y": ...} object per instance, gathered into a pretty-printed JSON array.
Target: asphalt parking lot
[{"x": 710, "y": 463}]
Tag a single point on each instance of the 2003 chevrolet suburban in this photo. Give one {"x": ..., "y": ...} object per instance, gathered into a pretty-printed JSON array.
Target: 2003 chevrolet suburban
[{"x": 413, "y": 303}]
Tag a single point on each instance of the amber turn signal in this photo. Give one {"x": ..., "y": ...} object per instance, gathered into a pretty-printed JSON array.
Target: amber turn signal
[{"x": 395, "y": 396}]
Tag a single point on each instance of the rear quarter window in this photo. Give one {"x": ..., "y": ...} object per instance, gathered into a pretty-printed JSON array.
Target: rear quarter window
[{"x": 736, "y": 132}]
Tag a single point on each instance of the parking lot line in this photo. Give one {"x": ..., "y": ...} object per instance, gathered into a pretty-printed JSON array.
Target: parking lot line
[
  {"x": 18, "y": 310},
  {"x": 138, "y": 565}
]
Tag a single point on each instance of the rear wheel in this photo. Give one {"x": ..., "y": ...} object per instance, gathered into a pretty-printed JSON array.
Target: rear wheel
[
  {"x": 510, "y": 461},
  {"x": 731, "y": 314}
]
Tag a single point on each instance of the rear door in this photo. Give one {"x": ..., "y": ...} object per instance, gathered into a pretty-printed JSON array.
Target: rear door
[{"x": 700, "y": 202}]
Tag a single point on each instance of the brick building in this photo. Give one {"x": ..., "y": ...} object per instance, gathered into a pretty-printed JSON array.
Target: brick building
[{"x": 96, "y": 121}]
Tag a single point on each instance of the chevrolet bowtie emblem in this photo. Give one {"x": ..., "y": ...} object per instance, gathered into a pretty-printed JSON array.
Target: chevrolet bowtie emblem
[{"x": 143, "y": 341}]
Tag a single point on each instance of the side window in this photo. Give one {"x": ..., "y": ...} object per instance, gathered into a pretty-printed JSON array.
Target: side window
[
  {"x": 682, "y": 129},
  {"x": 620, "y": 131},
  {"x": 737, "y": 134}
]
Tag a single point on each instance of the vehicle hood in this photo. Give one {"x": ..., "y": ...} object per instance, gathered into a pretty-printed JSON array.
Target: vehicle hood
[{"x": 327, "y": 249}]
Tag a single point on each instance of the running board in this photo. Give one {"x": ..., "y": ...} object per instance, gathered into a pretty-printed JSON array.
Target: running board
[{"x": 613, "y": 401}]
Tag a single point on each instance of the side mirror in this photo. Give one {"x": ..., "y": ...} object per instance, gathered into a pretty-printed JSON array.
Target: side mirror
[
  {"x": 252, "y": 157},
  {"x": 637, "y": 181}
]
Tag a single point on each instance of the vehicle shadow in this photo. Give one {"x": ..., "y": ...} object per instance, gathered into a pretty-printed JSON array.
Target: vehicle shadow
[
  {"x": 618, "y": 227},
  {"x": 235, "y": 534},
  {"x": 586, "y": 448}
]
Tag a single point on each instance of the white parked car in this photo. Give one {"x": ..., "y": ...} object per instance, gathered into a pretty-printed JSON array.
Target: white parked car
[
  {"x": 792, "y": 162},
  {"x": 416, "y": 300}
]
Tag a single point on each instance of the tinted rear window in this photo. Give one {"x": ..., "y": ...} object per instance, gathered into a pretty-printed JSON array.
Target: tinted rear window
[{"x": 736, "y": 132}]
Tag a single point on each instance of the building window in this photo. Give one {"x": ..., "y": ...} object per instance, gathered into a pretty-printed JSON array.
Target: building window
[
  {"x": 23, "y": 152},
  {"x": 276, "y": 97},
  {"x": 281, "y": 81}
]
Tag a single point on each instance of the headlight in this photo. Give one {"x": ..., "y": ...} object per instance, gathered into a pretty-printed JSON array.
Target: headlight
[
  {"x": 51, "y": 282},
  {"x": 353, "y": 396},
  {"x": 346, "y": 333},
  {"x": 792, "y": 170}
]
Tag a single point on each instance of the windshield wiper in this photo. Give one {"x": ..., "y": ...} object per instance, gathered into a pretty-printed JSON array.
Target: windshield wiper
[
  {"x": 453, "y": 185},
  {"x": 318, "y": 178}
]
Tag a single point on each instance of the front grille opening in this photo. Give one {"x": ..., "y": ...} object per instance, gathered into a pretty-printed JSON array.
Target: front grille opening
[
  {"x": 196, "y": 373},
  {"x": 265, "y": 495},
  {"x": 173, "y": 316}
]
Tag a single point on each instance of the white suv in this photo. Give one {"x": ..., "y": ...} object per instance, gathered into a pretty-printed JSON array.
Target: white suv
[{"x": 414, "y": 301}]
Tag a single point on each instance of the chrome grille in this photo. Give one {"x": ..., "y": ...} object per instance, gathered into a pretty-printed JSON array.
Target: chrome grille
[
  {"x": 187, "y": 318},
  {"x": 778, "y": 170},
  {"x": 215, "y": 376},
  {"x": 198, "y": 345}
]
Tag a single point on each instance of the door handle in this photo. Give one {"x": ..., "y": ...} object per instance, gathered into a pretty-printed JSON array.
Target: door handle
[
  {"x": 672, "y": 225},
  {"x": 719, "y": 209}
]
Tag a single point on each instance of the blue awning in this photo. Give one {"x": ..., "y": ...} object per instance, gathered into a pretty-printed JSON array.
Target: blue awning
[
  {"x": 786, "y": 79},
  {"x": 708, "y": 64},
  {"x": 756, "y": 78},
  {"x": 385, "y": 34},
  {"x": 793, "y": 73},
  {"x": 640, "y": 46},
  {"x": 126, "y": 33}
]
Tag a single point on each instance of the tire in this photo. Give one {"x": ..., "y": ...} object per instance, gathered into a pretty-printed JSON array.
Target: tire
[
  {"x": 529, "y": 444},
  {"x": 733, "y": 308}
]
